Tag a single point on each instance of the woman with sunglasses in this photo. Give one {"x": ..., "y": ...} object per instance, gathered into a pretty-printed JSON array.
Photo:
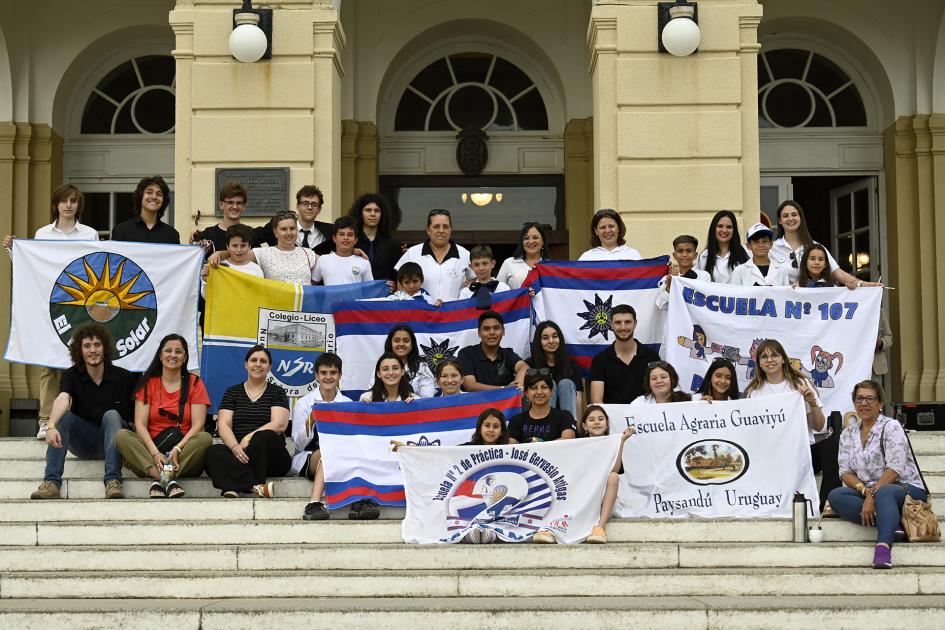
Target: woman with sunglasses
[
  {"x": 445, "y": 264},
  {"x": 720, "y": 382},
  {"x": 608, "y": 238},
  {"x": 659, "y": 385},
  {"x": 170, "y": 411},
  {"x": 251, "y": 421},
  {"x": 540, "y": 422},
  {"x": 531, "y": 250}
]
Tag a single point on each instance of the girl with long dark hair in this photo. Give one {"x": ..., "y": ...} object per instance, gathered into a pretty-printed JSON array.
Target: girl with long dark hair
[
  {"x": 723, "y": 249},
  {"x": 376, "y": 220},
  {"x": 390, "y": 381},
  {"x": 402, "y": 342},
  {"x": 531, "y": 250},
  {"x": 548, "y": 351}
]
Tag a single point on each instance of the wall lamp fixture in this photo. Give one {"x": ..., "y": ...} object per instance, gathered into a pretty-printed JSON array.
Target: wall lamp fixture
[
  {"x": 678, "y": 27},
  {"x": 251, "y": 37}
]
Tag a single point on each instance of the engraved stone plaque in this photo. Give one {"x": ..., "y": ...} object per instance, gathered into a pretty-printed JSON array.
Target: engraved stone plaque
[{"x": 267, "y": 188}]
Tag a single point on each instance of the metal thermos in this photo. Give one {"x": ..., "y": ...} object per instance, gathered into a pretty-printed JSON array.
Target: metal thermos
[{"x": 799, "y": 516}]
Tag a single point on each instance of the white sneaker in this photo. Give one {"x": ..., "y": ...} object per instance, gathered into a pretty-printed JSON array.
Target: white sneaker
[{"x": 41, "y": 434}]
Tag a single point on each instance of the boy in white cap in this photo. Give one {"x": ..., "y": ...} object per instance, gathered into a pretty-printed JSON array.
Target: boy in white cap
[{"x": 760, "y": 271}]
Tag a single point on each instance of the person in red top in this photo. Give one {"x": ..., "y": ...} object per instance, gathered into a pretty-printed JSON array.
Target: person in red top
[{"x": 170, "y": 411}]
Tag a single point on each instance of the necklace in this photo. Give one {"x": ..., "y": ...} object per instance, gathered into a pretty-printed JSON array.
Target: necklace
[{"x": 254, "y": 393}]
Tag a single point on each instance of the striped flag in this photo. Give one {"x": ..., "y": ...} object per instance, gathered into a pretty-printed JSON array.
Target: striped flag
[
  {"x": 579, "y": 297},
  {"x": 355, "y": 439},
  {"x": 362, "y": 327}
]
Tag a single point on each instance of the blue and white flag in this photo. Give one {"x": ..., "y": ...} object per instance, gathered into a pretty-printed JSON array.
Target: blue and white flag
[
  {"x": 355, "y": 439},
  {"x": 511, "y": 491},
  {"x": 579, "y": 297},
  {"x": 140, "y": 292},
  {"x": 362, "y": 328}
]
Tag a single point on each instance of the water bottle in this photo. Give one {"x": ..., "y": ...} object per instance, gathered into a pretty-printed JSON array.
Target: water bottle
[
  {"x": 167, "y": 472},
  {"x": 799, "y": 516}
]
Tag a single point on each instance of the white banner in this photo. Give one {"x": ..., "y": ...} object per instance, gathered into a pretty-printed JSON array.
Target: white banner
[
  {"x": 735, "y": 459},
  {"x": 829, "y": 334},
  {"x": 512, "y": 490},
  {"x": 140, "y": 292}
]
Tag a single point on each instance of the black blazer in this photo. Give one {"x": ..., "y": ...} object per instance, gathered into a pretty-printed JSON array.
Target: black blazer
[{"x": 386, "y": 254}]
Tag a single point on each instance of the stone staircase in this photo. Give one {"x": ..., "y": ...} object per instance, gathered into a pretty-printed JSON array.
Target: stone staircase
[{"x": 205, "y": 562}]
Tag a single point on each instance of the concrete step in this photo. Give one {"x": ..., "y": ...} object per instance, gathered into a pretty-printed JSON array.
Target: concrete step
[
  {"x": 246, "y": 532},
  {"x": 916, "y": 612},
  {"x": 473, "y": 583},
  {"x": 392, "y": 557}
]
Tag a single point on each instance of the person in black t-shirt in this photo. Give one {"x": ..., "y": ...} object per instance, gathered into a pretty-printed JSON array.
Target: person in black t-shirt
[
  {"x": 151, "y": 198},
  {"x": 548, "y": 351},
  {"x": 617, "y": 371},
  {"x": 251, "y": 421},
  {"x": 541, "y": 423},
  {"x": 233, "y": 200},
  {"x": 487, "y": 365}
]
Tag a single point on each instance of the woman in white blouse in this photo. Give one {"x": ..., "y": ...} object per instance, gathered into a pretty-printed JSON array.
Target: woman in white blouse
[
  {"x": 445, "y": 264},
  {"x": 723, "y": 249},
  {"x": 531, "y": 250},
  {"x": 402, "y": 342},
  {"x": 608, "y": 238}
]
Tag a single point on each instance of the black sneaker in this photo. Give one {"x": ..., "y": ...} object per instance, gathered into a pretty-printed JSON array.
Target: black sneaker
[
  {"x": 315, "y": 511},
  {"x": 354, "y": 511},
  {"x": 370, "y": 510}
]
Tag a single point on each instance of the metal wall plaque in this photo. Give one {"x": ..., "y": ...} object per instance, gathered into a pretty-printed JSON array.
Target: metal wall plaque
[{"x": 268, "y": 189}]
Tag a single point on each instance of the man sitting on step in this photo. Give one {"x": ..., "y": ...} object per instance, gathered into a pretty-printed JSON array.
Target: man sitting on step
[{"x": 94, "y": 402}]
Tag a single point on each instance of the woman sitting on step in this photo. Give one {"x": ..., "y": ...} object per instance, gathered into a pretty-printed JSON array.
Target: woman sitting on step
[
  {"x": 251, "y": 421},
  {"x": 877, "y": 469},
  {"x": 170, "y": 411}
]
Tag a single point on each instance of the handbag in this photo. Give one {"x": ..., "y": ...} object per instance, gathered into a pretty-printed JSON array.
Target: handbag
[{"x": 918, "y": 519}]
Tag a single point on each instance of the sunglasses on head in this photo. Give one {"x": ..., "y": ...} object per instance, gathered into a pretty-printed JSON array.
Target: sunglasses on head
[
  {"x": 794, "y": 260},
  {"x": 538, "y": 372},
  {"x": 168, "y": 414},
  {"x": 657, "y": 364}
]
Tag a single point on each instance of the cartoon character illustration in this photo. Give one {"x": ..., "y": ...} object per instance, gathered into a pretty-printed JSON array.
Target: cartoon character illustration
[
  {"x": 697, "y": 344},
  {"x": 822, "y": 362},
  {"x": 799, "y": 367},
  {"x": 500, "y": 492},
  {"x": 751, "y": 360}
]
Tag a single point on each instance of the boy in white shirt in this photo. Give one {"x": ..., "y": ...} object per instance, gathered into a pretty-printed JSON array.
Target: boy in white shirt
[
  {"x": 684, "y": 253},
  {"x": 307, "y": 459},
  {"x": 342, "y": 266},
  {"x": 239, "y": 245},
  {"x": 482, "y": 263},
  {"x": 760, "y": 271},
  {"x": 410, "y": 281}
]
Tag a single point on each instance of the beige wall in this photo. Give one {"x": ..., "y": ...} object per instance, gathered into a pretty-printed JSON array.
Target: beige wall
[
  {"x": 358, "y": 161},
  {"x": 676, "y": 139}
]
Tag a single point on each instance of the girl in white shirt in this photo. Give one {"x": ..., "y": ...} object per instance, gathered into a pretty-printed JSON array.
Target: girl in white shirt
[
  {"x": 775, "y": 375},
  {"x": 531, "y": 250},
  {"x": 660, "y": 385},
  {"x": 403, "y": 343},
  {"x": 608, "y": 237},
  {"x": 723, "y": 250},
  {"x": 390, "y": 381}
]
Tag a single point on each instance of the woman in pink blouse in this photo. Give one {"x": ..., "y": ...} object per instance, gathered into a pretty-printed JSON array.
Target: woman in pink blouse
[{"x": 877, "y": 470}]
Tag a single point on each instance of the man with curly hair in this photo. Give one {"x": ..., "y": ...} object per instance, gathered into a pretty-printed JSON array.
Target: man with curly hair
[{"x": 94, "y": 402}]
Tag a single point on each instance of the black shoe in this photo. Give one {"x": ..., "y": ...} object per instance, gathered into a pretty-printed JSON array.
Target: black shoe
[
  {"x": 354, "y": 511},
  {"x": 315, "y": 511},
  {"x": 369, "y": 510}
]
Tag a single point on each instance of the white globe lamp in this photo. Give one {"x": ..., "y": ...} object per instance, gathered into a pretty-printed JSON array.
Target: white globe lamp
[
  {"x": 681, "y": 35},
  {"x": 247, "y": 41}
]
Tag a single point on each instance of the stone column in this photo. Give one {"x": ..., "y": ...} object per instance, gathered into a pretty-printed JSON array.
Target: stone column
[
  {"x": 675, "y": 139},
  {"x": 280, "y": 112}
]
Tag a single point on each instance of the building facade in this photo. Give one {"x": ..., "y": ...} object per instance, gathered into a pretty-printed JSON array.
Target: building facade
[{"x": 837, "y": 104}]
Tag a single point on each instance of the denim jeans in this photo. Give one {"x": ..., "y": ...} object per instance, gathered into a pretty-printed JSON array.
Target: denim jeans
[
  {"x": 564, "y": 397},
  {"x": 847, "y": 502},
  {"x": 86, "y": 440}
]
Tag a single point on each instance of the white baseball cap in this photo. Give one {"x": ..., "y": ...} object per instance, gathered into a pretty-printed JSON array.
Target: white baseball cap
[{"x": 758, "y": 230}]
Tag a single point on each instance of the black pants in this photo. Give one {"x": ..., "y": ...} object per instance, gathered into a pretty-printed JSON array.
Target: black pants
[
  {"x": 268, "y": 457},
  {"x": 824, "y": 458}
]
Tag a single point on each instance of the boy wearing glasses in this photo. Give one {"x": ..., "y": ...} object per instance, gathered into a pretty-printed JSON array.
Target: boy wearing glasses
[
  {"x": 232, "y": 203},
  {"x": 311, "y": 234}
]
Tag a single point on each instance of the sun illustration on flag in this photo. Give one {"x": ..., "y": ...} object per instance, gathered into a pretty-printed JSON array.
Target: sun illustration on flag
[
  {"x": 105, "y": 288},
  {"x": 437, "y": 351},
  {"x": 597, "y": 317}
]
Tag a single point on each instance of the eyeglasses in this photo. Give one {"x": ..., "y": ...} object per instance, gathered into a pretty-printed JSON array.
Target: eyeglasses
[
  {"x": 538, "y": 371},
  {"x": 168, "y": 414},
  {"x": 865, "y": 399},
  {"x": 309, "y": 204},
  {"x": 227, "y": 202},
  {"x": 769, "y": 357}
]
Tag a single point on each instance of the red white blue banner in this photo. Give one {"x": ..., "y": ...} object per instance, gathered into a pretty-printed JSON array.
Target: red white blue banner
[
  {"x": 511, "y": 491},
  {"x": 362, "y": 326},
  {"x": 355, "y": 439},
  {"x": 579, "y": 297}
]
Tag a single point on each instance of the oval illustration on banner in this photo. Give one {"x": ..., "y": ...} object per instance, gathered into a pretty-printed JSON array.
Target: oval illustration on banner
[
  {"x": 712, "y": 462},
  {"x": 107, "y": 289}
]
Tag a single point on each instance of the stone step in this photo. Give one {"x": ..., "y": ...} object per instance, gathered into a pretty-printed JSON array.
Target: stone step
[
  {"x": 473, "y": 583},
  {"x": 393, "y": 557},
  {"x": 916, "y": 612},
  {"x": 247, "y": 532}
]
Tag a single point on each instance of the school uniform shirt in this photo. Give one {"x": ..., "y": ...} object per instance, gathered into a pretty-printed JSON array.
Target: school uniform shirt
[
  {"x": 332, "y": 269},
  {"x": 247, "y": 267},
  {"x": 315, "y": 235},
  {"x": 647, "y": 399},
  {"x": 249, "y": 415},
  {"x": 621, "y": 252},
  {"x": 295, "y": 266},
  {"x": 403, "y": 295},
  {"x": 157, "y": 398},
  {"x": 789, "y": 258},
  {"x": 467, "y": 292},
  {"x": 523, "y": 427},
  {"x": 771, "y": 389},
  {"x": 443, "y": 280},
  {"x": 78, "y": 232},
  {"x": 306, "y": 442},
  {"x": 722, "y": 273},
  {"x": 749, "y": 275},
  {"x": 513, "y": 272},
  {"x": 662, "y": 296},
  {"x": 422, "y": 381},
  {"x": 368, "y": 397}
]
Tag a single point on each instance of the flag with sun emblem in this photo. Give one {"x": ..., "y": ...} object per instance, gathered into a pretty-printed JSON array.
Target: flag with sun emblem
[
  {"x": 362, "y": 328},
  {"x": 139, "y": 291},
  {"x": 579, "y": 297}
]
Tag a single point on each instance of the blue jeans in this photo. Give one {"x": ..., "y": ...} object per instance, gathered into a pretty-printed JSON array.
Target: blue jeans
[
  {"x": 847, "y": 502},
  {"x": 86, "y": 440},
  {"x": 564, "y": 397}
]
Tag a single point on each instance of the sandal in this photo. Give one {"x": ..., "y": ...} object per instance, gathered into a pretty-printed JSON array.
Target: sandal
[
  {"x": 174, "y": 491},
  {"x": 157, "y": 491}
]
